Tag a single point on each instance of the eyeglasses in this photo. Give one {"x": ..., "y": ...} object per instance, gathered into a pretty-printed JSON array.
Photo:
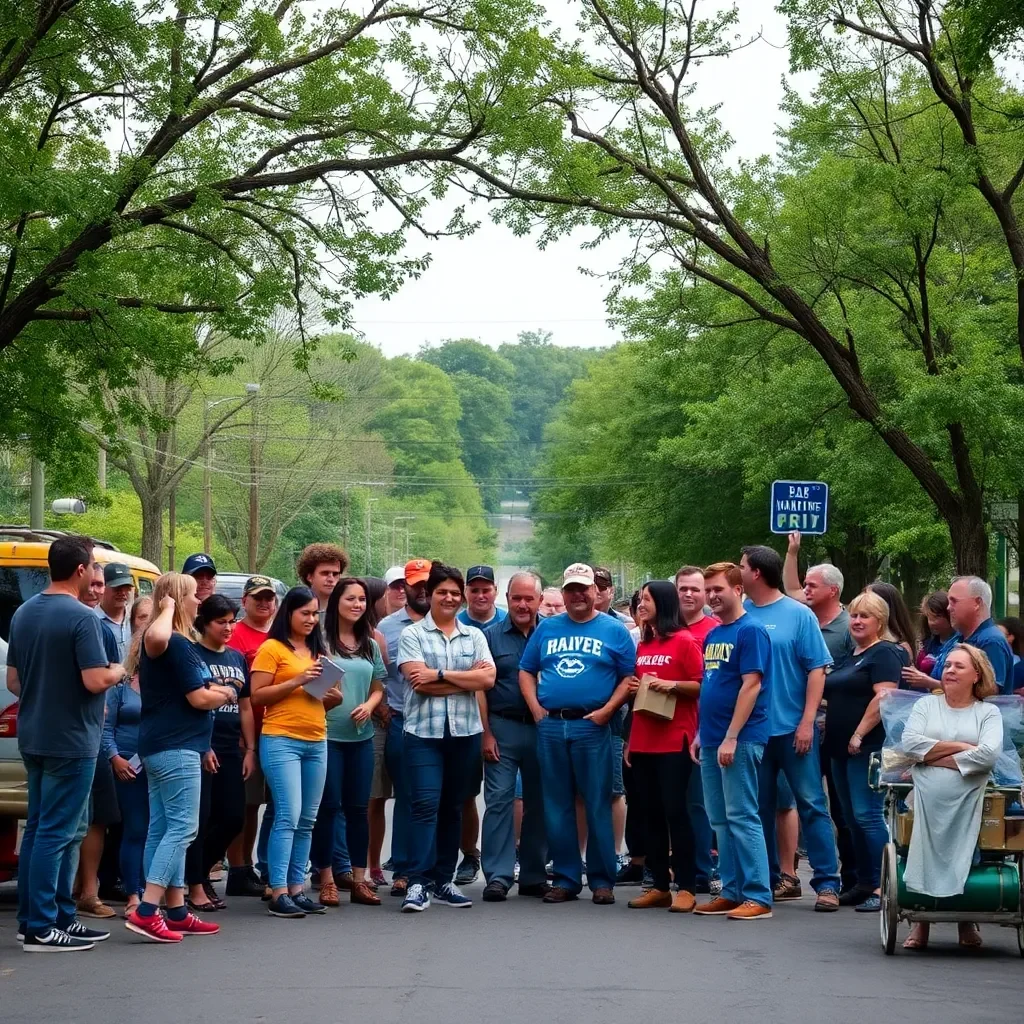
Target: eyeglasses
[{"x": 604, "y": 586}]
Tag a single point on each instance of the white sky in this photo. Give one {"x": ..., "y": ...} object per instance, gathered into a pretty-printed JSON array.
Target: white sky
[{"x": 493, "y": 285}]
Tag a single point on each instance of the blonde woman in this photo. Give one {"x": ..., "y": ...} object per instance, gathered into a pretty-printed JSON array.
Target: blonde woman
[
  {"x": 956, "y": 738},
  {"x": 174, "y": 733},
  {"x": 853, "y": 729}
]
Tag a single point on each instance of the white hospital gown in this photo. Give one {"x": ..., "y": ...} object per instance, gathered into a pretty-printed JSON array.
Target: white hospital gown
[{"x": 947, "y": 803}]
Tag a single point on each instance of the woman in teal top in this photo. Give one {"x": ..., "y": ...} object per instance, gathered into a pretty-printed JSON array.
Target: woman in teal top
[{"x": 342, "y": 831}]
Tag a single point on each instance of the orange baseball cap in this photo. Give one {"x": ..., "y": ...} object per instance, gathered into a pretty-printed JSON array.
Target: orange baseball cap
[{"x": 416, "y": 571}]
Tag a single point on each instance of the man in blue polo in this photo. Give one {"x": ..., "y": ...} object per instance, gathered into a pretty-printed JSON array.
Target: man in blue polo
[
  {"x": 970, "y": 612},
  {"x": 574, "y": 675}
]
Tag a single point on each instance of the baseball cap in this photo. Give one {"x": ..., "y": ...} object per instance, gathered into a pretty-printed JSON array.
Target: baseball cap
[
  {"x": 416, "y": 571},
  {"x": 480, "y": 572},
  {"x": 603, "y": 575},
  {"x": 396, "y": 574},
  {"x": 196, "y": 563},
  {"x": 578, "y": 572},
  {"x": 117, "y": 574},
  {"x": 258, "y": 585}
]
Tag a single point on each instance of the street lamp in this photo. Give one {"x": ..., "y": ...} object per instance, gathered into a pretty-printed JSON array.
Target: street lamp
[{"x": 250, "y": 390}]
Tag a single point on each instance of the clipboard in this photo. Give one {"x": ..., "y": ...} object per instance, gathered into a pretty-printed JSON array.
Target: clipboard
[{"x": 331, "y": 675}]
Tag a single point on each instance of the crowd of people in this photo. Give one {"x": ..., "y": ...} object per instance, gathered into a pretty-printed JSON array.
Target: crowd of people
[{"x": 683, "y": 747}]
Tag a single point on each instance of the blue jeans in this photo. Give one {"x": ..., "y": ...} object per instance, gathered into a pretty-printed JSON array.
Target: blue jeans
[
  {"x": 730, "y": 796},
  {"x": 703, "y": 837},
  {"x": 576, "y": 757},
  {"x": 438, "y": 775},
  {"x": 174, "y": 778},
  {"x": 517, "y": 753},
  {"x": 341, "y": 836},
  {"x": 862, "y": 810},
  {"x": 803, "y": 773},
  {"x": 295, "y": 772},
  {"x": 58, "y": 818},
  {"x": 394, "y": 761},
  {"x": 133, "y": 799}
]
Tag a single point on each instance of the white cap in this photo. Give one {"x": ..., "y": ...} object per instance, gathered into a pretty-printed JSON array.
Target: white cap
[
  {"x": 578, "y": 572},
  {"x": 394, "y": 574}
]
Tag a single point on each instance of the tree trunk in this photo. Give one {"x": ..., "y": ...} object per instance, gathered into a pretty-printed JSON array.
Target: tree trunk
[
  {"x": 970, "y": 543},
  {"x": 152, "y": 528}
]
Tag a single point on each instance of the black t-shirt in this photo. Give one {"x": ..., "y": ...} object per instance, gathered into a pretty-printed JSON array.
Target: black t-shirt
[
  {"x": 850, "y": 689},
  {"x": 168, "y": 721},
  {"x": 226, "y": 668}
]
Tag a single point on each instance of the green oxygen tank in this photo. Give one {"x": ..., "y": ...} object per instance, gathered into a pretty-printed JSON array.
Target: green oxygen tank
[{"x": 990, "y": 888}]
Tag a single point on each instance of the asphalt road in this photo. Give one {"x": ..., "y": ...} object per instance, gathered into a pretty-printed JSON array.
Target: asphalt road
[{"x": 517, "y": 961}]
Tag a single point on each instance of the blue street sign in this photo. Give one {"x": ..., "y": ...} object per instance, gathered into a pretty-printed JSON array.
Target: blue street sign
[{"x": 799, "y": 505}]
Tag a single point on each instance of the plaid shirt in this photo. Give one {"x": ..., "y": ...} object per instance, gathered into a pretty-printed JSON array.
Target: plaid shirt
[{"x": 423, "y": 641}]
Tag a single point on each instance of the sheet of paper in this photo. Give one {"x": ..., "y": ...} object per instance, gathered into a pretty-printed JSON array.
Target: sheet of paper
[
  {"x": 331, "y": 675},
  {"x": 135, "y": 763}
]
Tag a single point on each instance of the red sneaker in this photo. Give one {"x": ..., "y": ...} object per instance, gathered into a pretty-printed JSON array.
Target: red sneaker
[
  {"x": 153, "y": 928},
  {"x": 192, "y": 925}
]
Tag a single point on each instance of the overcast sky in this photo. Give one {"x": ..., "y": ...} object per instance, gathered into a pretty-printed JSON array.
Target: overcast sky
[{"x": 493, "y": 285}]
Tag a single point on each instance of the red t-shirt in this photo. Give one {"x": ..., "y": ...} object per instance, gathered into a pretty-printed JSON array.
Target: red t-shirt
[
  {"x": 700, "y": 629},
  {"x": 246, "y": 641},
  {"x": 677, "y": 659}
]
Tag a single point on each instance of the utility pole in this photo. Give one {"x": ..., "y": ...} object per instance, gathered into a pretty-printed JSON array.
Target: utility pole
[
  {"x": 37, "y": 480},
  {"x": 254, "y": 490},
  {"x": 207, "y": 480},
  {"x": 101, "y": 469},
  {"x": 344, "y": 518},
  {"x": 369, "y": 534}
]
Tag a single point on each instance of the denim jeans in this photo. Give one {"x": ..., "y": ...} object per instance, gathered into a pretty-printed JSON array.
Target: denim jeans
[
  {"x": 394, "y": 761},
  {"x": 576, "y": 757},
  {"x": 730, "y": 796},
  {"x": 341, "y": 836},
  {"x": 295, "y": 771},
  {"x": 517, "y": 753},
  {"x": 133, "y": 799},
  {"x": 438, "y": 775},
  {"x": 58, "y": 818},
  {"x": 803, "y": 772},
  {"x": 703, "y": 837},
  {"x": 862, "y": 808},
  {"x": 174, "y": 778}
]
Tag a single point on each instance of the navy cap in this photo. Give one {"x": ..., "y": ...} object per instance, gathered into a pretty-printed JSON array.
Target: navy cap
[
  {"x": 117, "y": 574},
  {"x": 480, "y": 572},
  {"x": 197, "y": 563}
]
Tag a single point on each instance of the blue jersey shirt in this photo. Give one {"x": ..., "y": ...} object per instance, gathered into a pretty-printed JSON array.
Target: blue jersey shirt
[
  {"x": 797, "y": 649},
  {"x": 730, "y": 651},
  {"x": 988, "y": 637},
  {"x": 579, "y": 664}
]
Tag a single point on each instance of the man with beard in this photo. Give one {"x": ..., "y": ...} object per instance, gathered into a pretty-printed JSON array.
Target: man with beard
[{"x": 416, "y": 607}]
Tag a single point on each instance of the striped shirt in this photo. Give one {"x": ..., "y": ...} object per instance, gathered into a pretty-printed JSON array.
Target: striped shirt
[{"x": 426, "y": 716}]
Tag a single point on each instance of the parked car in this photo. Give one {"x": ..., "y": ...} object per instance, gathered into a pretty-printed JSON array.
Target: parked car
[
  {"x": 24, "y": 573},
  {"x": 231, "y": 584}
]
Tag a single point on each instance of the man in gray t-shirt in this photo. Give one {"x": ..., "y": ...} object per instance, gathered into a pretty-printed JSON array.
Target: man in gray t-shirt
[{"x": 59, "y": 671}]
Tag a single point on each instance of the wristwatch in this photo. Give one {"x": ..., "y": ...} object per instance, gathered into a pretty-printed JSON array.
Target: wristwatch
[{"x": 440, "y": 675}]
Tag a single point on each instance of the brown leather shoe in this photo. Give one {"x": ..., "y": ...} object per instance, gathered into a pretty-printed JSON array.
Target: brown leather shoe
[
  {"x": 719, "y": 905},
  {"x": 556, "y": 894},
  {"x": 651, "y": 898},
  {"x": 329, "y": 895},
  {"x": 603, "y": 897},
  {"x": 365, "y": 894},
  {"x": 345, "y": 881},
  {"x": 683, "y": 903}
]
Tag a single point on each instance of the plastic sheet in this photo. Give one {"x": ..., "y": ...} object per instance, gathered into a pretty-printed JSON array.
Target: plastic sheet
[{"x": 895, "y": 707}]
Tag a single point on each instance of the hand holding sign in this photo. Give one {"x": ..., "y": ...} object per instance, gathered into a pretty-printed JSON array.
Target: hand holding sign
[{"x": 799, "y": 506}]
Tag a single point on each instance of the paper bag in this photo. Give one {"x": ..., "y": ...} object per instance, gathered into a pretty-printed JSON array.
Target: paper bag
[{"x": 661, "y": 705}]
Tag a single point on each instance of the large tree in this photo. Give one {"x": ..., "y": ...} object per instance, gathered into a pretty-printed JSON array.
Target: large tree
[{"x": 616, "y": 141}]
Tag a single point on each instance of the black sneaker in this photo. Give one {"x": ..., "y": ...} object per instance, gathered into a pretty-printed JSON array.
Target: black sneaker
[
  {"x": 113, "y": 894},
  {"x": 284, "y": 906},
  {"x": 388, "y": 865},
  {"x": 243, "y": 882},
  {"x": 468, "y": 870},
  {"x": 495, "y": 892},
  {"x": 77, "y": 930},
  {"x": 630, "y": 874},
  {"x": 854, "y": 896},
  {"x": 55, "y": 940},
  {"x": 538, "y": 889},
  {"x": 307, "y": 906}
]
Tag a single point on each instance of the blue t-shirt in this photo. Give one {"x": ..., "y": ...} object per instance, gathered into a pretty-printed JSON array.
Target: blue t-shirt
[
  {"x": 1018, "y": 676},
  {"x": 226, "y": 668},
  {"x": 989, "y": 638},
  {"x": 579, "y": 664},
  {"x": 797, "y": 649},
  {"x": 498, "y": 616},
  {"x": 730, "y": 651},
  {"x": 53, "y": 639},
  {"x": 169, "y": 722}
]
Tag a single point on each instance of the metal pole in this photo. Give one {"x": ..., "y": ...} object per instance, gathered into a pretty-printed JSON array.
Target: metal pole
[
  {"x": 37, "y": 486},
  {"x": 207, "y": 483},
  {"x": 254, "y": 491},
  {"x": 172, "y": 517},
  {"x": 101, "y": 469}
]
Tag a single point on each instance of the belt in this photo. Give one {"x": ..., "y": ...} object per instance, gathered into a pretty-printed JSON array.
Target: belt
[
  {"x": 514, "y": 716},
  {"x": 567, "y": 713}
]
